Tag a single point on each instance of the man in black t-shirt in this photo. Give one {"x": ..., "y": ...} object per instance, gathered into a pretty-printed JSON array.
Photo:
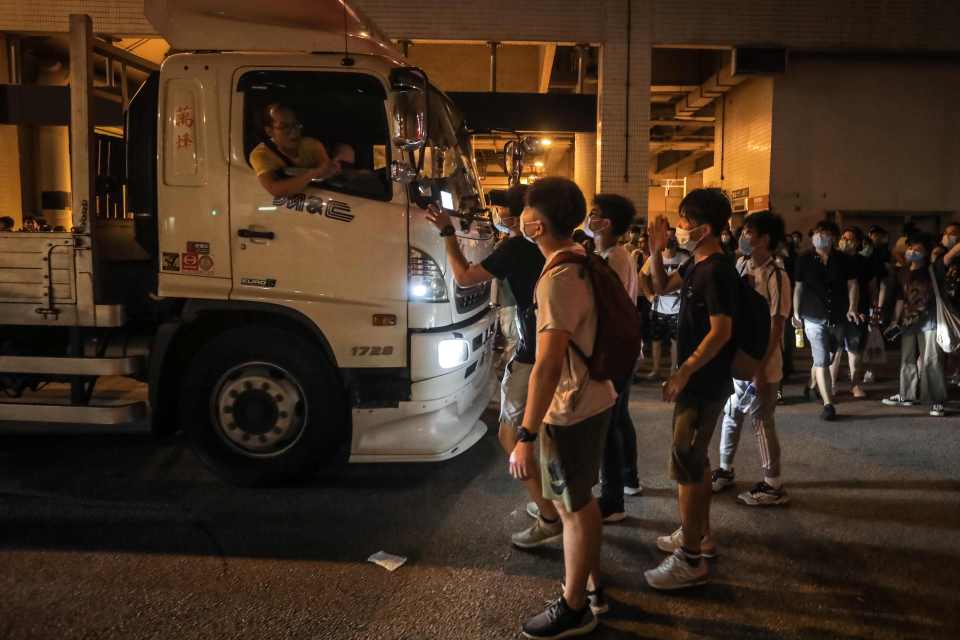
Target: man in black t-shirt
[
  {"x": 709, "y": 296},
  {"x": 826, "y": 305},
  {"x": 865, "y": 271},
  {"x": 519, "y": 263}
]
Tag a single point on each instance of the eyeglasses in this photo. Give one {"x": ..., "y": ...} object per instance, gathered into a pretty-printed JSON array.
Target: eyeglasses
[{"x": 289, "y": 127}]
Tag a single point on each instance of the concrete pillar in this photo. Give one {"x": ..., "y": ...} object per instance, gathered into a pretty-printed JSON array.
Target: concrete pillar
[
  {"x": 623, "y": 114},
  {"x": 585, "y": 164}
]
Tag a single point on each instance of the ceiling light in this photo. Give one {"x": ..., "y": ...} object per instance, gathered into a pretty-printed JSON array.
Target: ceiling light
[
  {"x": 538, "y": 164},
  {"x": 546, "y": 142}
]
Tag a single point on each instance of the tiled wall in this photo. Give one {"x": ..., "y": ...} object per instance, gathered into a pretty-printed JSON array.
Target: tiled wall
[
  {"x": 862, "y": 135},
  {"x": 741, "y": 157}
]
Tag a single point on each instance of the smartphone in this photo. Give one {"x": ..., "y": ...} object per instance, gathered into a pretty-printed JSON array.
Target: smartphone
[{"x": 446, "y": 200}]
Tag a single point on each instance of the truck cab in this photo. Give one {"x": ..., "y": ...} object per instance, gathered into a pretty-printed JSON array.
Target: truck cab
[{"x": 286, "y": 326}]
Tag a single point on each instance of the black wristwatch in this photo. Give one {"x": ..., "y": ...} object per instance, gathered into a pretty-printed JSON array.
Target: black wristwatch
[
  {"x": 447, "y": 231},
  {"x": 526, "y": 436}
]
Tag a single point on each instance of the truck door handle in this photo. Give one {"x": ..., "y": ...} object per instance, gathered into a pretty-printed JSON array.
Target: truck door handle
[{"x": 252, "y": 233}]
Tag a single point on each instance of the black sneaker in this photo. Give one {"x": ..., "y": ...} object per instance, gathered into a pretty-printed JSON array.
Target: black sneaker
[
  {"x": 721, "y": 479},
  {"x": 829, "y": 413},
  {"x": 596, "y": 599},
  {"x": 558, "y": 620}
]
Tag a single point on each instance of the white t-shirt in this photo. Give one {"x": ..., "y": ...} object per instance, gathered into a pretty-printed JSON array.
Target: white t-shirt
[
  {"x": 623, "y": 263},
  {"x": 565, "y": 301},
  {"x": 770, "y": 281},
  {"x": 669, "y": 303}
]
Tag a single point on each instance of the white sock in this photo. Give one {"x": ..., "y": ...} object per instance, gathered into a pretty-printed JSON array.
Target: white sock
[
  {"x": 776, "y": 483},
  {"x": 726, "y": 467}
]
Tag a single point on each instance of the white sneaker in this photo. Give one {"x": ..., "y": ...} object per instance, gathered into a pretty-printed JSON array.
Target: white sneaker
[
  {"x": 673, "y": 542},
  {"x": 539, "y": 534},
  {"x": 937, "y": 411},
  {"x": 676, "y": 573}
]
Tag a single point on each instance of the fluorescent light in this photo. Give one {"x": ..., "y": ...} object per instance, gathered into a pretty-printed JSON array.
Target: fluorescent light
[{"x": 452, "y": 353}]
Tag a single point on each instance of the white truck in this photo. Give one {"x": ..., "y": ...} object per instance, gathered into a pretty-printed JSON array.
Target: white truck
[{"x": 278, "y": 332}]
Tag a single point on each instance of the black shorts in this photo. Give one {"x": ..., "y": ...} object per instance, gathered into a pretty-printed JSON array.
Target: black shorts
[{"x": 664, "y": 327}]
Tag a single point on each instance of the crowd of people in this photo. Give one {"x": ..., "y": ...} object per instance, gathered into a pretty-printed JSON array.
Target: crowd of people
[
  {"x": 30, "y": 225},
  {"x": 564, "y": 420}
]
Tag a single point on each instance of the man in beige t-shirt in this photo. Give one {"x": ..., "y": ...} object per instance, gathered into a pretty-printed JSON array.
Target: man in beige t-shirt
[
  {"x": 566, "y": 409},
  {"x": 285, "y": 151}
]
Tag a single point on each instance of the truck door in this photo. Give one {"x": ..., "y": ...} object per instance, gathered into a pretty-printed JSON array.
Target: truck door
[{"x": 334, "y": 250}]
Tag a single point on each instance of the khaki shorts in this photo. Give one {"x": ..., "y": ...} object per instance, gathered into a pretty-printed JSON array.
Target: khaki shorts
[
  {"x": 694, "y": 422},
  {"x": 513, "y": 392},
  {"x": 570, "y": 458}
]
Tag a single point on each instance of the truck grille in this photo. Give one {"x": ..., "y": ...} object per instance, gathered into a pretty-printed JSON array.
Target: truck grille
[{"x": 471, "y": 298}]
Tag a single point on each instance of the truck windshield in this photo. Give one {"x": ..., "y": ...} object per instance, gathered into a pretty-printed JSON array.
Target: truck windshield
[{"x": 449, "y": 152}]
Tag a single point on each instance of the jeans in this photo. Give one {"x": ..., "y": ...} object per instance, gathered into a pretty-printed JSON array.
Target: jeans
[
  {"x": 764, "y": 427},
  {"x": 620, "y": 453},
  {"x": 928, "y": 378}
]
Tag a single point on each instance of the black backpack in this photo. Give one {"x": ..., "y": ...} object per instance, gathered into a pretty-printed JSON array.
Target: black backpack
[
  {"x": 619, "y": 324},
  {"x": 751, "y": 329}
]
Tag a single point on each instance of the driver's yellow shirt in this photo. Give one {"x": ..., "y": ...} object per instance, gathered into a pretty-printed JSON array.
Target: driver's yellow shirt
[{"x": 310, "y": 155}]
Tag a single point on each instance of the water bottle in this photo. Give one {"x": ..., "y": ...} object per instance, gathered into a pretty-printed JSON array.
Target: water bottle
[{"x": 749, "y": 401}]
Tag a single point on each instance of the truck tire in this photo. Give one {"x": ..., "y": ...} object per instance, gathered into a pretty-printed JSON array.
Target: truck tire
[{"x": 262, "y": 406}]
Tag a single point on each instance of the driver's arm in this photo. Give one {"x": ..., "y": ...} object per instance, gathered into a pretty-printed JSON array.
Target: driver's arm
[{"x": 283, "y": 187}]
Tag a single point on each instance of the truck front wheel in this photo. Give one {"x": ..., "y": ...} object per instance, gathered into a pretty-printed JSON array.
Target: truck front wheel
[{"x": 261, "y": 406}]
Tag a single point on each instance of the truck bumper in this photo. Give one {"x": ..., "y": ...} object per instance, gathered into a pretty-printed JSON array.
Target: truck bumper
[{"x": 442, "y": 419}]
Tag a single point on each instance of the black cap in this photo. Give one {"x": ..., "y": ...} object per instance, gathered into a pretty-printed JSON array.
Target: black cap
[{"x": 513, "y": 198}]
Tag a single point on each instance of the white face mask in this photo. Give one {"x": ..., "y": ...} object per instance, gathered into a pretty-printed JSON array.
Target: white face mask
[
  {"x": 822, "y": 242},
  {"x": 950, "y": 241},
  {"x": 506, "y": 224},
  {"x": 528, "y": 225},
  {"x": 685, "y": 237},
  {"x": 594, "y": 226}
]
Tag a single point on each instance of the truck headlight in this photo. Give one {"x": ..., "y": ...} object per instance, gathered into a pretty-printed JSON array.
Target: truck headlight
[
  {"x": 425, "y": 281},
  {"x": 453, "y": 353}
]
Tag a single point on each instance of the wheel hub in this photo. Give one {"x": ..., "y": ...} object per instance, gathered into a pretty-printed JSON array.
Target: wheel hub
[{"x": 259, "y": 409}]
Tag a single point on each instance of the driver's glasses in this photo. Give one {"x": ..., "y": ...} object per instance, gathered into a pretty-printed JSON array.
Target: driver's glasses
[{"x": 288, "y": 127}]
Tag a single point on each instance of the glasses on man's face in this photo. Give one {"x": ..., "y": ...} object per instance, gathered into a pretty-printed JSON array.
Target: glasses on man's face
[{"x": 288, "y": 127}]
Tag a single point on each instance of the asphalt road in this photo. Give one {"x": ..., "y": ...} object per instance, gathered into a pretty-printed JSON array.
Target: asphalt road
[{"x": 112, "y": 535}]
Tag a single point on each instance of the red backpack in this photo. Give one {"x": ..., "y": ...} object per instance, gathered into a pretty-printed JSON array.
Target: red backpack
[{"x": 619, "y": 324}]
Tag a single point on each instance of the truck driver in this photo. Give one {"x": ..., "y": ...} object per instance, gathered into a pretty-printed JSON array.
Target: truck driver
[{"x": 285, "y": 151}]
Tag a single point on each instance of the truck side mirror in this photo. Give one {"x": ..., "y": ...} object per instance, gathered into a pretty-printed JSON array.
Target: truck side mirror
[{"x": 409, "y": 119}]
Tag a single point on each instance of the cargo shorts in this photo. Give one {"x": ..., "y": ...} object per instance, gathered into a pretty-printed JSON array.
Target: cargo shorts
[
  {"x": 570, "y": 458},
  {"x": 513, "y": 392},
  {"x": 694, "y": 421}
]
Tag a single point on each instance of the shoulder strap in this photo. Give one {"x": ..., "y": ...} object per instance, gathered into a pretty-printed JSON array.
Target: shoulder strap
[{"x": 270, "y": 144}]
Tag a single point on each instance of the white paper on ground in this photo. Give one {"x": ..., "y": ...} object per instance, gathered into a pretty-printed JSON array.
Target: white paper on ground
[{"x": 386, "y": 560}]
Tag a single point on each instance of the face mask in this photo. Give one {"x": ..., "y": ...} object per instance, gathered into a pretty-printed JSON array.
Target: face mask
[
  {"x": 867, "y": 250},
  {"x": 745, "y": 247},
  {"x": 685, "y": 240},
  {"x": 595, "y": 226},
  {"x": 527, "y": 235},
  {"x": 950, "y": 241},
  {"x": 505, "y": 225},
  {"x": 822, "y": 242},
  {"x": 914, "y": 256}
]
